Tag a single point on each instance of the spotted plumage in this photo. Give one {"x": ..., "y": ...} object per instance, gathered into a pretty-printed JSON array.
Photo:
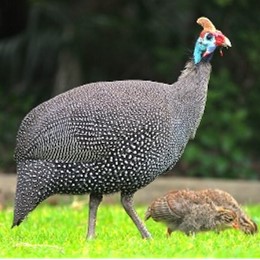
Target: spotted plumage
[{"x": 108, "y": 137}]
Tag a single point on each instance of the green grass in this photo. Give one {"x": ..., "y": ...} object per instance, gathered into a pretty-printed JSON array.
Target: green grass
[{"x": 59, "y": 232}]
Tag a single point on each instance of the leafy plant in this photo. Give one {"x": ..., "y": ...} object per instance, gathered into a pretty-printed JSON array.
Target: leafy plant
[{"x": 219, "y": 147}]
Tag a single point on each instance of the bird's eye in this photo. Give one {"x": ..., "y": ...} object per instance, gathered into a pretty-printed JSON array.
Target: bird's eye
[{"x": 209, "y": 36}]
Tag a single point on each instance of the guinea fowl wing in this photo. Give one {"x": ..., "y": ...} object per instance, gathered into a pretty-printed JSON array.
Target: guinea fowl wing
[
  {"x": 91, "y": 122},
  {"x": 181, "y": 202}
]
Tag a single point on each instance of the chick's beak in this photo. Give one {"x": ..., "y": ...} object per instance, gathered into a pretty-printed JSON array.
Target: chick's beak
[{"x": 235, "y": 225}]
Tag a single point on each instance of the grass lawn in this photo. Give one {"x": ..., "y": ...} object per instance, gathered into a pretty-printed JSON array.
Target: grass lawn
[{"x": 59, "y": 231}]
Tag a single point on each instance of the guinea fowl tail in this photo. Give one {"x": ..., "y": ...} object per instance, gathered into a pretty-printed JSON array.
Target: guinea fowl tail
[{"x": 31, "y": 189}]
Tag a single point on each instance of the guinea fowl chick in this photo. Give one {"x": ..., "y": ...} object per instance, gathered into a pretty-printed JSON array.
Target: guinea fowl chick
[
  {"x": 222, "y": 198},
  {"x": 190, "y": 213}
]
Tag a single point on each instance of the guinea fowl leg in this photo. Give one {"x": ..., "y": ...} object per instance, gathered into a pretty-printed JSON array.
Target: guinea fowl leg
[
  {"x": 127, "y": 202},
  {"x": 94, "y": 201},
  {"x": 169, "y": 232}
]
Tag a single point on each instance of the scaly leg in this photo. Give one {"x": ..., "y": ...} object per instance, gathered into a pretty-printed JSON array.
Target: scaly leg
[
  {"x": 127, "y": 202},
  {"x": 94, "y": 201}
]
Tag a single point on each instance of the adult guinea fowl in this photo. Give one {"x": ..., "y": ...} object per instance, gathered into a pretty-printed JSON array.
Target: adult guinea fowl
[
  {"x": 191, "y": 212},
  {"x": 108, "y": 137}
]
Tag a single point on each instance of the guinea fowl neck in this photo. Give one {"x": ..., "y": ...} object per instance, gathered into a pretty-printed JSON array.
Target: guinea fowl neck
[
  {"x": 189, "y": 93},
  {"x": 194, "y": 79}
]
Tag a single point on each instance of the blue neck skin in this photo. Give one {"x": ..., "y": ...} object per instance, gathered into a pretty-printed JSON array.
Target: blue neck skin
[{"x": 199, "y": 49}]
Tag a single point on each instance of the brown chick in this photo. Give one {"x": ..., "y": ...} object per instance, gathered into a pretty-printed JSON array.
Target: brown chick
[
  {"x": 190, "y": 213},
  {"x": 222, "y": 198}
]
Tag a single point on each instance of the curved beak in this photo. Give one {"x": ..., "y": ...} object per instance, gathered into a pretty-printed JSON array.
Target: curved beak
[
  {"x": 222, "y": 40},
  {"x": 227, "y": 42}
]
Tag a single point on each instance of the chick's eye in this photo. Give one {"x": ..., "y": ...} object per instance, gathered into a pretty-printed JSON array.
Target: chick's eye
[{"x": 209, "y": 36}]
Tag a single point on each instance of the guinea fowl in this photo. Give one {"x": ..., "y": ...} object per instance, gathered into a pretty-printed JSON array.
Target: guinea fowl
[
  {"x": 190, "y": 213},
  {"x": 107, "y": 137},
  {"x": 222, "y": 198}
]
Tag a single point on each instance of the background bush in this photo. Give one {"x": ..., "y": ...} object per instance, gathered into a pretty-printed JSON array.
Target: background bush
[{"x": 50, "y": 46}]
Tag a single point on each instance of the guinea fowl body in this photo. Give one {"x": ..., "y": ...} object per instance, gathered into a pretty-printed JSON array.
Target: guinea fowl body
[
  {"x": 189, "y": 212},
  {"x": 109, "y": 137},
  {"x": 106, "y": 137}
]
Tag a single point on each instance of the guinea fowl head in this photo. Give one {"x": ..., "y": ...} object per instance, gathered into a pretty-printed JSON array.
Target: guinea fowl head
[
  {"x": 248, "y": 226},
  {"x": 210, "y": 38},
  {"x": 226, "y": 218}
]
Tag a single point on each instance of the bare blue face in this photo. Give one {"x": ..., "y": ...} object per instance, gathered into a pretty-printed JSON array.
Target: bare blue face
[{"x": 204, "y": 47}]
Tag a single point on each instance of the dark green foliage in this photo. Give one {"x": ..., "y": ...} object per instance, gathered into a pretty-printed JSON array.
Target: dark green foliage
[
  {"x": 219, "y": 149},
  {"x": 12, "y": 109},
  {"x": 62, "y": 44}
]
